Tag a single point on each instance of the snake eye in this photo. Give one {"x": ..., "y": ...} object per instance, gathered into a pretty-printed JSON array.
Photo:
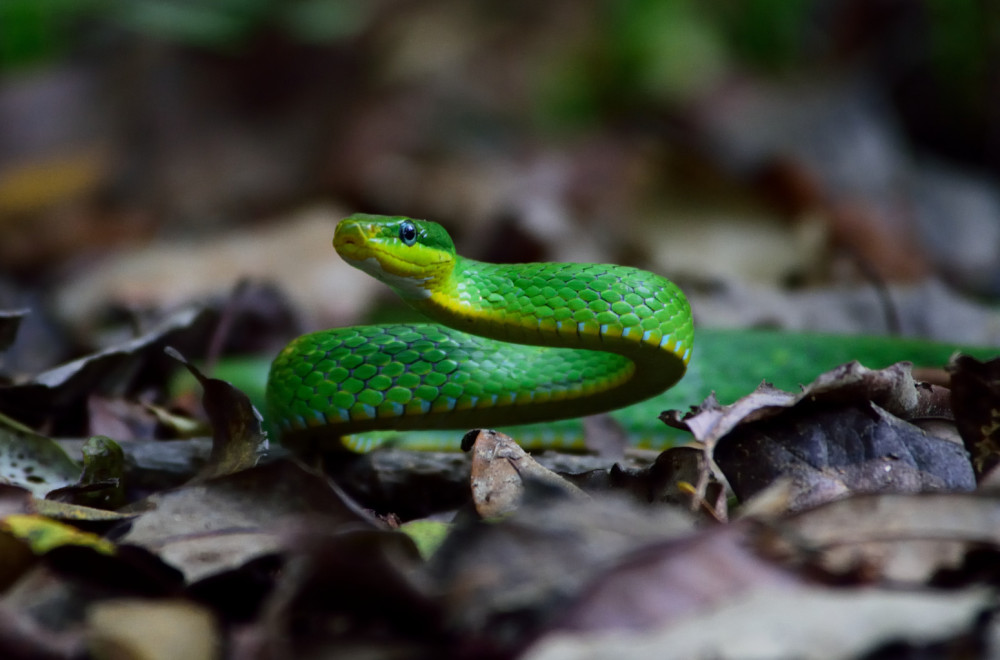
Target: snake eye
[{"x": 408, "y": 233}]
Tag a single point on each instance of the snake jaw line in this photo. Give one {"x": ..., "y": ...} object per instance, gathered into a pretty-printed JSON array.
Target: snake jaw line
[
  {"x": 406, "y": 287},
  {"x": 375, "y": 245}
]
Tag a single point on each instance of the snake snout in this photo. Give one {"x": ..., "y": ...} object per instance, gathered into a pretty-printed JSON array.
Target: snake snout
[{"x": 349, "y": 237}]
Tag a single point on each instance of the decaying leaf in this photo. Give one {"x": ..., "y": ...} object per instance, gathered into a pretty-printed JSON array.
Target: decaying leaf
[
  {"x": 661, "y": 583},
  {"x": 102, "y": 484},
  {"x": 811, "y": 624},
  {"x": 831, "y": 453},
  {"x": 216, "y": 524},
  {"x": 33, "y": 461},
  {"x": 238, "y": 436},
  {"x": 160, "y": 629},
  {"x": 10, "y": 322},
  {"x": 23, "y": 637},
  {"x": 500, "y": 469},
  {"x": 846, "y": 432},
  {"x": 358, "y": 591},
  {"x": 859, "y": 572},
  {"x": 62, "y": 393},
  {"x": 976, "y": 402},
  {"x": 899, "y": 539},
  {"x": 43, "y": 534},
  {"x": 428, "y": 535},
  {"x": 508, "y": 579}
]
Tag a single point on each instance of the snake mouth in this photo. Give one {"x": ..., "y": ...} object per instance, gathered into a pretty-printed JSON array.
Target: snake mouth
[
  {"x": 358, "y": 244},
  {"x": 351, "y": 241}
]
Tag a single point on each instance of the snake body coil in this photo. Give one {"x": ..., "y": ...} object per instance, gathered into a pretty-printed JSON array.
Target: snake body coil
[{"x": 512, "y": 344}]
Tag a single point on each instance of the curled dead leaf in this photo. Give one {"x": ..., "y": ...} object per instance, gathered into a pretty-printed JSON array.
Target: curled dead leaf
[{"x": 500, "y": 469}]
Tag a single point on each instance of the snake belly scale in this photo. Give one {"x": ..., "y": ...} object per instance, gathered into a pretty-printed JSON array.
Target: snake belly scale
[{"x": 509, "y": 343}]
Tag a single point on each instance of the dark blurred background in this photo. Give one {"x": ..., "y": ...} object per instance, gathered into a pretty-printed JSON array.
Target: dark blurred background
[{"x": 786, "y": 160}]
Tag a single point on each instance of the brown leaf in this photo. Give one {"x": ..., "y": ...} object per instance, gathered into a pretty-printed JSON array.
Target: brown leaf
[
  {"x": 238, "y": 437},
  {"x": 975, "y": 398},
  {"x": 23, "y": 637},
  {"x": 662, "y": 583},
  {"x": 841, "y": 434},
  {"x": 194, "y": 527},
  {"x": 811, "y": 623},
  {"x": 898, "y": 539},
  {"x": 503, "y": 581},
  {"x": 346, "y": 592},
  {"x": 134, "y": 628},
  {"x": 120, "y": 418},
  {"x": 60, "y": 394},
  {"x": 500, "y": 469},
  {"x": 832, "y": 452}
]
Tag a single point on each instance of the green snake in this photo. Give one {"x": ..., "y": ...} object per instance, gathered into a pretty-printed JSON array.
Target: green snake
[{"x": 509, "y": 344}]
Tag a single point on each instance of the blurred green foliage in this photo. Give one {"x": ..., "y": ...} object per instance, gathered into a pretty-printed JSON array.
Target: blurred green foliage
[
  {"x": 766, "y": 33},
  {"x": 229, "y": 23},
  {"x": 37, "y": 32},
  {"x": 636, "y": 55},
  {"x": 656, "y": 51},
  {"x": 34, "y": 32},
  {"x": 964, "y": 36},
  {"x": 643, "y": 54}
]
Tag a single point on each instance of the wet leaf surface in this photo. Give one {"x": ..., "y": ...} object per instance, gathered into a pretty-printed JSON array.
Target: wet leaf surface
[
  {"x": 976, "y": 399},
  {"x": 238, "y": 438},
  {"x": 33, "y": 461},
  {"x": 847, "y": 432}
]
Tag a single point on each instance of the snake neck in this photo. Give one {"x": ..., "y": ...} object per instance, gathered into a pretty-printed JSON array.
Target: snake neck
[{"x": 594, "y": 306}]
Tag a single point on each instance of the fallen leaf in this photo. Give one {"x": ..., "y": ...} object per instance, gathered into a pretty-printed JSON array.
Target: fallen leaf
[
  {"x": 507, "y": 580},
  {"x": 897, "y": 538},
  {"x": 238, "y": 437},
  {"x": 975, "y": 399},
  {"x": 829, "y": 453},
  {"x": 845, "y": 432},
  {"x": 60, "y": 394},
  {"x": 348, "y": 592},
  {"x": 102, "y": 484},
  {"x": 10, "y": 322},
  {"x": 76, "y": 513},
  {"x": 428, "y": 535},
  {"x": 152, "y": 630},
  {"x": 23, "y": 637},
  {"x": 820, "y": 624},
  {"x": 500, "y": 469},
  {"x": 213, "y": 525},
  {"x": 659, "y": 584},
  {"x": 44, "y": 534},
  {"x": 33, "y": 461}
]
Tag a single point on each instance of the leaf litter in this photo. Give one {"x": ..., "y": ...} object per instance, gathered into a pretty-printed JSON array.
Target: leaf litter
[
  {"x": 849, "y": 431},
  {"x": 856, "y": 518}
]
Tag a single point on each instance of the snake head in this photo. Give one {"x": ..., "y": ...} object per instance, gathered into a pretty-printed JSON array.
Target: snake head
[{"x": 411, "y": 256}]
